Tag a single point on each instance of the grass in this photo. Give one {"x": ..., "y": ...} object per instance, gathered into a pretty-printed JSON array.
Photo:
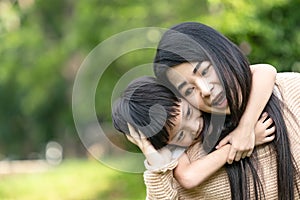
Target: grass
[{"x": 73, "y": 180}]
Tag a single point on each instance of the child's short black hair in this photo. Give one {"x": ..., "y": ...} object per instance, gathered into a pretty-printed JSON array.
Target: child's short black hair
[{"x": 149, "y": 107}]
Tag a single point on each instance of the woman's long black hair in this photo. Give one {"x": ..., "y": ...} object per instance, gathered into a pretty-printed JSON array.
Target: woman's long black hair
[{"x": 195, "y": 42}]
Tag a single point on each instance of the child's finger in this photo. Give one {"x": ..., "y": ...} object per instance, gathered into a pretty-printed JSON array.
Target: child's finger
[
  {"x": 270, "y": 131},
  {"x": 130, "y": 138},
  {"x": 132, "y": 131},
  {"x": 269, "y": 138},
  {"x": 142, "y": 135},
  {"x": 268, "y": 122},
  {"x": 263, "y": 117}
]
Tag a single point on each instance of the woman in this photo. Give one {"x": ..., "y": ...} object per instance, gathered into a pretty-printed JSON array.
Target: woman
[{"x": 213, "y": 75}]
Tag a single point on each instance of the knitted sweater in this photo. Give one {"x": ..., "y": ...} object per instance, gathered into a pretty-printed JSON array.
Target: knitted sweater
[{"x": 161, "y": 183}]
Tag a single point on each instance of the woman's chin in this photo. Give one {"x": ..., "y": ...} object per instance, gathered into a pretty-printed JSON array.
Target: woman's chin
[{"x": 221, "y": 111}]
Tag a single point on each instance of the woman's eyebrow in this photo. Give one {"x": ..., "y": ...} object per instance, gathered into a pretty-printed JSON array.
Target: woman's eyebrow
[{"x": 196, "y": 68}]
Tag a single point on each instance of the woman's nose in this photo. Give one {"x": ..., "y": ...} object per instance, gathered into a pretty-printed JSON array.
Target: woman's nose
[{"x": 204, "y": 87}]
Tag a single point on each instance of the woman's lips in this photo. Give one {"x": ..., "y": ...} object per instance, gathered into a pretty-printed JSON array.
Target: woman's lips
[{"x": 220, "y": 101}]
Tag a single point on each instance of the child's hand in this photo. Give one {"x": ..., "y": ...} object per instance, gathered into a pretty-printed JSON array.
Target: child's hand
[
  {"x": 264, "y": 130},
  {"x": 153, "y": 156},
  {"x": 139, "y": 139}
]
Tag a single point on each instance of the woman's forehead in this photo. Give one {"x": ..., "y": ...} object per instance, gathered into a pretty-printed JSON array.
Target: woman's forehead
[
  {"x": 188, "y": 67},
  {"x": 178, "y": 75}
]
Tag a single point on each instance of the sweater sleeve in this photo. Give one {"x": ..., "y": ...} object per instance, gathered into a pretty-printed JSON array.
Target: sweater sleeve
[{"x": 160, "y": 183}]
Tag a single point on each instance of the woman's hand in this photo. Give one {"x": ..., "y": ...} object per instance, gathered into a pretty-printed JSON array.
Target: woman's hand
[
  {"x": 155, "y": 158},
  {"x": 242, "y": 140},
  {"x": 263, "y": 133},
  {"x": 243, "y": 137},
  {"x": 264, "y": 130}
]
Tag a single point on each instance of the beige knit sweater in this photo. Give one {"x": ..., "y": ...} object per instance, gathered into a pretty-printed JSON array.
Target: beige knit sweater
[{"x": 162, "y": 185}]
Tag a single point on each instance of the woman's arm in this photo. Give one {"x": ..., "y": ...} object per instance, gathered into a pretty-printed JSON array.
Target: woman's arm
[
  {"x": 190, "y": 174},
  {"x": 242, "y": 137}
]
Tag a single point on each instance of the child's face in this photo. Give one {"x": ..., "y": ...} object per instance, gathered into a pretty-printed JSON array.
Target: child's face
[{"x": 188, "y": 125}]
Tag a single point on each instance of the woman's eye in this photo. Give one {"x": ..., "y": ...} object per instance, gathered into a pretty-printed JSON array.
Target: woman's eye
[
  {"x": 188, "y": 91},
  {"x": 205, "y": 70}
]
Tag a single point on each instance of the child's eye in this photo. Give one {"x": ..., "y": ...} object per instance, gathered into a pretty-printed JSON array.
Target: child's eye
[
  {"x": 188, "y": 111},
  {"x": 189, "y": 91},
  {"x": 180, "y": 136}
]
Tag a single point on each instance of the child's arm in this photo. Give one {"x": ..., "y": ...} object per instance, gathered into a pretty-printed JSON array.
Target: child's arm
[
  {"x": 190, "y": 174},
  {"x": 242, "y": 137}
]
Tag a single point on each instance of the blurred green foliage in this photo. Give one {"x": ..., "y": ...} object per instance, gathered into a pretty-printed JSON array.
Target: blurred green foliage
[
  {"x": 74, "y": 180},
  {"x": 43, "y": 43}
]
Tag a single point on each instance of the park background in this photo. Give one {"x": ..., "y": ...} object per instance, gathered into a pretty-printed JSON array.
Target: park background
[{"x": 42, "y": 45}]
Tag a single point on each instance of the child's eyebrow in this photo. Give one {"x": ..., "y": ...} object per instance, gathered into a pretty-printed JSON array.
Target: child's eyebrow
[
  {"x": 178, "y": 134},
  {"x": 181, "y": 85},
  {"x": 175, "y": 136},
  {"x": 174, "y": 145}
]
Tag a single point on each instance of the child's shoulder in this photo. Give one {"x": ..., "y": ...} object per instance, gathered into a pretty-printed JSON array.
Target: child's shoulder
[{"x": 196, "y": 151}]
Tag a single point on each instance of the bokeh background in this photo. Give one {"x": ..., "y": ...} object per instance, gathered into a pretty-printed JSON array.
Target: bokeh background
[{"x": 42, "y": 45}]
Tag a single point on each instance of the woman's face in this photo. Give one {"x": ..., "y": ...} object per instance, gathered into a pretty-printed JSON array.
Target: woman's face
[
  {"x": 188, "y": 125},
  {"x": 199, "y": 84}
]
